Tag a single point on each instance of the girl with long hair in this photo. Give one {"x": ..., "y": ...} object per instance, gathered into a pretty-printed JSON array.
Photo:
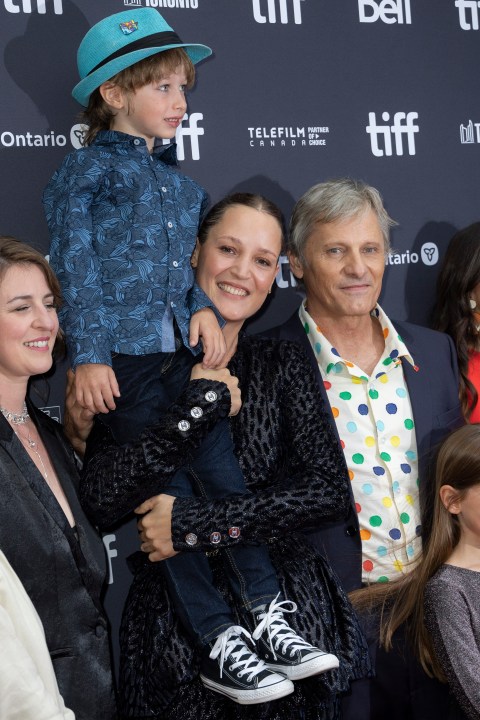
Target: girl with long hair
[{"x": 438, "y": 600}]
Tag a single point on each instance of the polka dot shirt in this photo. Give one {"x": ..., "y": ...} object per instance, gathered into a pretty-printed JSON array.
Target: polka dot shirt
[{"x": 376, "y": 428}]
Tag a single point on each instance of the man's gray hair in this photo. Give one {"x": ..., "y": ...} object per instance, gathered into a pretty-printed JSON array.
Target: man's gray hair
[{"x": 333, "y": 201}]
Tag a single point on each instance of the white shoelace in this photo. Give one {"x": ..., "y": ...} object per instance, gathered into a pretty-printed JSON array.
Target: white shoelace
[
  {"x": 273, "y": 621},
  {"x": 231, "y": 644}
]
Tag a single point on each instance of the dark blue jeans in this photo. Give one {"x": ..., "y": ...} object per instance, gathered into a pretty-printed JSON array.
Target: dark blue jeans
[{"x": 148, "y": 385}]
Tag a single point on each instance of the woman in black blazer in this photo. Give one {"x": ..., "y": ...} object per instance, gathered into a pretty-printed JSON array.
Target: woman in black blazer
[{"x": 43, "y": 531}]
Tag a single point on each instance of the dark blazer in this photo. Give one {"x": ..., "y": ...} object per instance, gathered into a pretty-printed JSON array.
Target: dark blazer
[
  {"x": 433, "y": 391},
  {"x": 62, "y": 572}
]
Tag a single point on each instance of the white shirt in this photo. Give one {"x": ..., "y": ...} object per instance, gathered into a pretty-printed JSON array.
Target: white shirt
[{"x": 376, "y": 429}]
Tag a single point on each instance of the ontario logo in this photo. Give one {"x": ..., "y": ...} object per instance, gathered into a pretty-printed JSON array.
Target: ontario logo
[
  {"x": 9, "y": 139},
  {"x": 428, "y": 255},
  {"x": 288, "y": 136}
]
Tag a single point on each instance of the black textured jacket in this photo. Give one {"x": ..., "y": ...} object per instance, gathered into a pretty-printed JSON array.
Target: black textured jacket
[{"x": 296, "y": 473}]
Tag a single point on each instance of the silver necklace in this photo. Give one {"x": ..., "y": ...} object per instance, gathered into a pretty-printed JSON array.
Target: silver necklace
[
  {"x": 16, "y": 418},
  {"x": 33, "y": 445}
]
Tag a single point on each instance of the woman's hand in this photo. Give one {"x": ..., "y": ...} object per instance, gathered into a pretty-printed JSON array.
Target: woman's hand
[
  {"x": 224, "y": 375},
  {"x": 155, "y": 527},
  {"x": 78, "y": 420}
]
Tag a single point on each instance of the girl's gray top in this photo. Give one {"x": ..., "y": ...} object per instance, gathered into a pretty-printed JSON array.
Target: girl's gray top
[{"x": 452, "y": 617}]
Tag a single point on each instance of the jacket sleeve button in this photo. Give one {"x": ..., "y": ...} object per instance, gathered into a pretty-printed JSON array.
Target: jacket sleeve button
[{"x": 191, "y": 539}]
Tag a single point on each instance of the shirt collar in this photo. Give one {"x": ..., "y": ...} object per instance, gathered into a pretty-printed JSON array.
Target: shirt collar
[
  {"x": 166, "y": 153},
  {"x": 328, "y": 357}
]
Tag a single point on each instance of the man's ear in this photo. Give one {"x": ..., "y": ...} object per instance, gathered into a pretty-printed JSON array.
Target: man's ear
[
  {"x": 112, "y": 94},
  {"x": 194, "y": 258},
  {"x": 295, "y": 265},
  {"x": 450, "y": 499}
]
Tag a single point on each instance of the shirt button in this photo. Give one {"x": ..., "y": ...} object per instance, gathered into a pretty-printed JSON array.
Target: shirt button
[
  {"x": 172, "y": 304},
  {"x": 175, "y": 263},
  {"x": 196, "y": 412},
  {"x": 137, "y": 141},
  {"x": 184, "y": 425},
  {"x": 191, "y": 539},
  {"x": 164, "y": 189},
  {"x": 99, "y": 631},
  {"x": 211, "y": 396},
  {"x": 215, "y": 538},
  {"x": 170, "y": 224}
]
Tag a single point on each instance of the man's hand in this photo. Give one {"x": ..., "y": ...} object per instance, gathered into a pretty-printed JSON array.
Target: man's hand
[
  {"x": 77, "y": 421},
  {"x": 96, "y": 387}
]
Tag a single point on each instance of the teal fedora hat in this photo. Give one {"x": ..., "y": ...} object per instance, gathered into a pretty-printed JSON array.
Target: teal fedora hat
[{"x": 121, "y": 40}]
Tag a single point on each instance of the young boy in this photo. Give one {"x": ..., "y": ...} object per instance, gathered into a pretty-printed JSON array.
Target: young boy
[{"x": 123, "y": 224}]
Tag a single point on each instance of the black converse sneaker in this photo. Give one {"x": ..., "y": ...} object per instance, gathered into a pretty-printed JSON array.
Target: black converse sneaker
[
  {"x": 282, "y": 649},
  {"x": 232, "y": 669}
]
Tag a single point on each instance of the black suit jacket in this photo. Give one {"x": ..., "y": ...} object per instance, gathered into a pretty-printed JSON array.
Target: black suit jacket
[
  {"x": 62, "y": 572},
  {"x": 433, "y": 391}
]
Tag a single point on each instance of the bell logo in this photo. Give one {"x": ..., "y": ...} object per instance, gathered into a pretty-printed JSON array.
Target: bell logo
[
  {"x": 468, "y": 13},
  {"x": 25, "y": 6},
  {"x": 282, "y": 6},
  {"x": 403, "y": 125},
  {"x": 388, "y": 11}
]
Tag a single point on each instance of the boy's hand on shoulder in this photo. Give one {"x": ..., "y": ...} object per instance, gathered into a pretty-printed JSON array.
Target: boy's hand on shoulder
[
  {"x": 96, "y": 387},
  {"x": 204, "y": 325}
]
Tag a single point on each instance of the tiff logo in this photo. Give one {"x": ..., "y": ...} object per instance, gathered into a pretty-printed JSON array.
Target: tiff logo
[
  {"x": 388, "y": 11},
  {"x": 271, "y": 7},
  {"x": 403, "y": 125},
  {"x": 193, "y": 132},
  {"x": 464, "y": 6},
  {"x": 468, "y": 135},
  {"x": 25, "y": 6}
]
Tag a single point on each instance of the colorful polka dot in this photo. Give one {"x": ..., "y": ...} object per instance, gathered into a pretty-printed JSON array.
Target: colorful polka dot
[
  {"x": 335, "y": 412},
  {"x": 382, "y": 551},
  {"x": 358, "y": 507},
  {"x": 387, "y": 502},
  {"x": 385, "y": 456},
  {"x": 334, "y": 351},
  {"x": 401, "y": 392},
  {"x": 379, "y": 471},
  {"x": 383, "y": 579},
  {"x": 398, "y": 565},
  {"x": 342, "y": 444},
  {"x": 395, "y": 534},
  {"x": 407, "y": 469},
  {"x": 345, "y": 395},
  {"x": 409, "y": 499},
  {"x": 395, "y": 440},
  {"x": 352, "y": 427},
  {"x": 369, "y": 441},
  {"x": 380, "y": 425},
  {"x": 367, "y": 488},
  {"x": 327, "y": 385},
  {"x": 351, "y": 474},
  {"x": 363, "y": 409},
  {"x": 410, "y": 455},
  {"x": 405, "y": 518},
  {"x": 358, "y": 458},
  {"x": 409, "y": 424},
  {"x": 391, "y": 408},
  {"x": 318, "y": 348},
  {"x": 383, "y": 379},
  {"x": 373, "y": 394},
  {"x": 306, "y": 327},
  {"x": 418, "y": 530},
  {"x": 387, "y": 361},
  {"x": 365, "y": 534},
  {"x": 368, "y": 565},
  {"x": 375, "y": 521}
]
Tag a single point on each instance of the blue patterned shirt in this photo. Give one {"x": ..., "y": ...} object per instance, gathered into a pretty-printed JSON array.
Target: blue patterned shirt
[{"x": 123, "y": 224}]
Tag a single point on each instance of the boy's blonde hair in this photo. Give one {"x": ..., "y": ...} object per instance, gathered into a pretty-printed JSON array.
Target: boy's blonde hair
[{"x": 98, "y": 115}]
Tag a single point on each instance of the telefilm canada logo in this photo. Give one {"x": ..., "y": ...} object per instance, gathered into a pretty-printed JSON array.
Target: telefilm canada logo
[
  {"x": 470, "y": 133},
  {"x": 388, "y": 11},
  {"x": 274, "y": 11},
  {"x": 184, "y": 4},
  {"x": 34, "y": 6},
  {"x": 288, "y": 136},
  {"x": 428, "y": 255},
  {"x": 392, "y": 139},
  {"x": 468, "y": 14}
]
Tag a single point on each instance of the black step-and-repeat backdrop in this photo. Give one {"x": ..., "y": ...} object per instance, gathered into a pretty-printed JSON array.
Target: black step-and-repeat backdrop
[{"x": 296, "y": 92}]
